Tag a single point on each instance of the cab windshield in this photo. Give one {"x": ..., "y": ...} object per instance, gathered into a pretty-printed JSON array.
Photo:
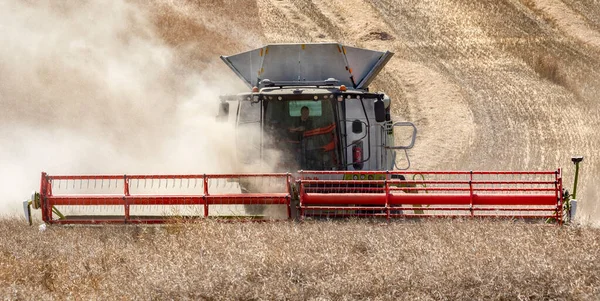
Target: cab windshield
[{"x": 305, "y": 133}]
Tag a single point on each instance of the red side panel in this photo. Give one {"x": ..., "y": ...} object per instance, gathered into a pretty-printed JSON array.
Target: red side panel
[
  {"x": 93, "y": 199},
  {"x": 432, "y": 194}
]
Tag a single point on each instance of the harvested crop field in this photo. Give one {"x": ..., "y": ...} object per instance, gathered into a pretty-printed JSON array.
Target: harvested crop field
[
  {"x": 434, "y": 260},
  {"x": 491, "y": 85}
]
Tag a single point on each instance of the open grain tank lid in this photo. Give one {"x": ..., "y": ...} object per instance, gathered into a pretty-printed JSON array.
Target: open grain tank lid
[{"x": 308, "y": 64}]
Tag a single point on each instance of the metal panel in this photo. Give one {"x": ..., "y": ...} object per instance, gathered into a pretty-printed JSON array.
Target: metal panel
[
  {"x": 299, "y": 64},
  {"x": 374, "y": 70},
  {"x": 362, "y": 61},
  {"x": 354, "y": 111},
  {"x": 246, "y": 65}
]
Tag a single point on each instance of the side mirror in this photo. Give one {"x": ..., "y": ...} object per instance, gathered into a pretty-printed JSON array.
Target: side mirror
[
  {"x": 379, "y": 110},
  {"x": 223, "y": 112},
  {"x": 357, "y": 127}
]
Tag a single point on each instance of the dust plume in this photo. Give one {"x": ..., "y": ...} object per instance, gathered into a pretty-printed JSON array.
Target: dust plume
[{"x": 90, "y": 87}]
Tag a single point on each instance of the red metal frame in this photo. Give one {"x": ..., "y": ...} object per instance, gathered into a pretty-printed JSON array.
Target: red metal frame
[
  {"x": 393, "y": 198},
  {"x": 126, "y": 199},
  {"x": 323, "y": 192}
]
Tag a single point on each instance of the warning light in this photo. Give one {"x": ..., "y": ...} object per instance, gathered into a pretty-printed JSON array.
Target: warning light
[
  {"x": 343, "y": 88},
  {"x": 255, "y": 89}
]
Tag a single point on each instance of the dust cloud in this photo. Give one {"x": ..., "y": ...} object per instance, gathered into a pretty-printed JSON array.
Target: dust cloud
[{"x": 91, "y": 87}]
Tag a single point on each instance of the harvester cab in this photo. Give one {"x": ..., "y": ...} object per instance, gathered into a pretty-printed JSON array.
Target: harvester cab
[{"x": 311, "y": 105}]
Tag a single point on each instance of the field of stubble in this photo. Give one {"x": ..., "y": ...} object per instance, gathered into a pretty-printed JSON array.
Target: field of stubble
[{"x": 433, "y": 260}]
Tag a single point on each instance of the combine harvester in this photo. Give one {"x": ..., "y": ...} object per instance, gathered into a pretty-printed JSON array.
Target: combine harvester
[{"x": 309, "y": 103}]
